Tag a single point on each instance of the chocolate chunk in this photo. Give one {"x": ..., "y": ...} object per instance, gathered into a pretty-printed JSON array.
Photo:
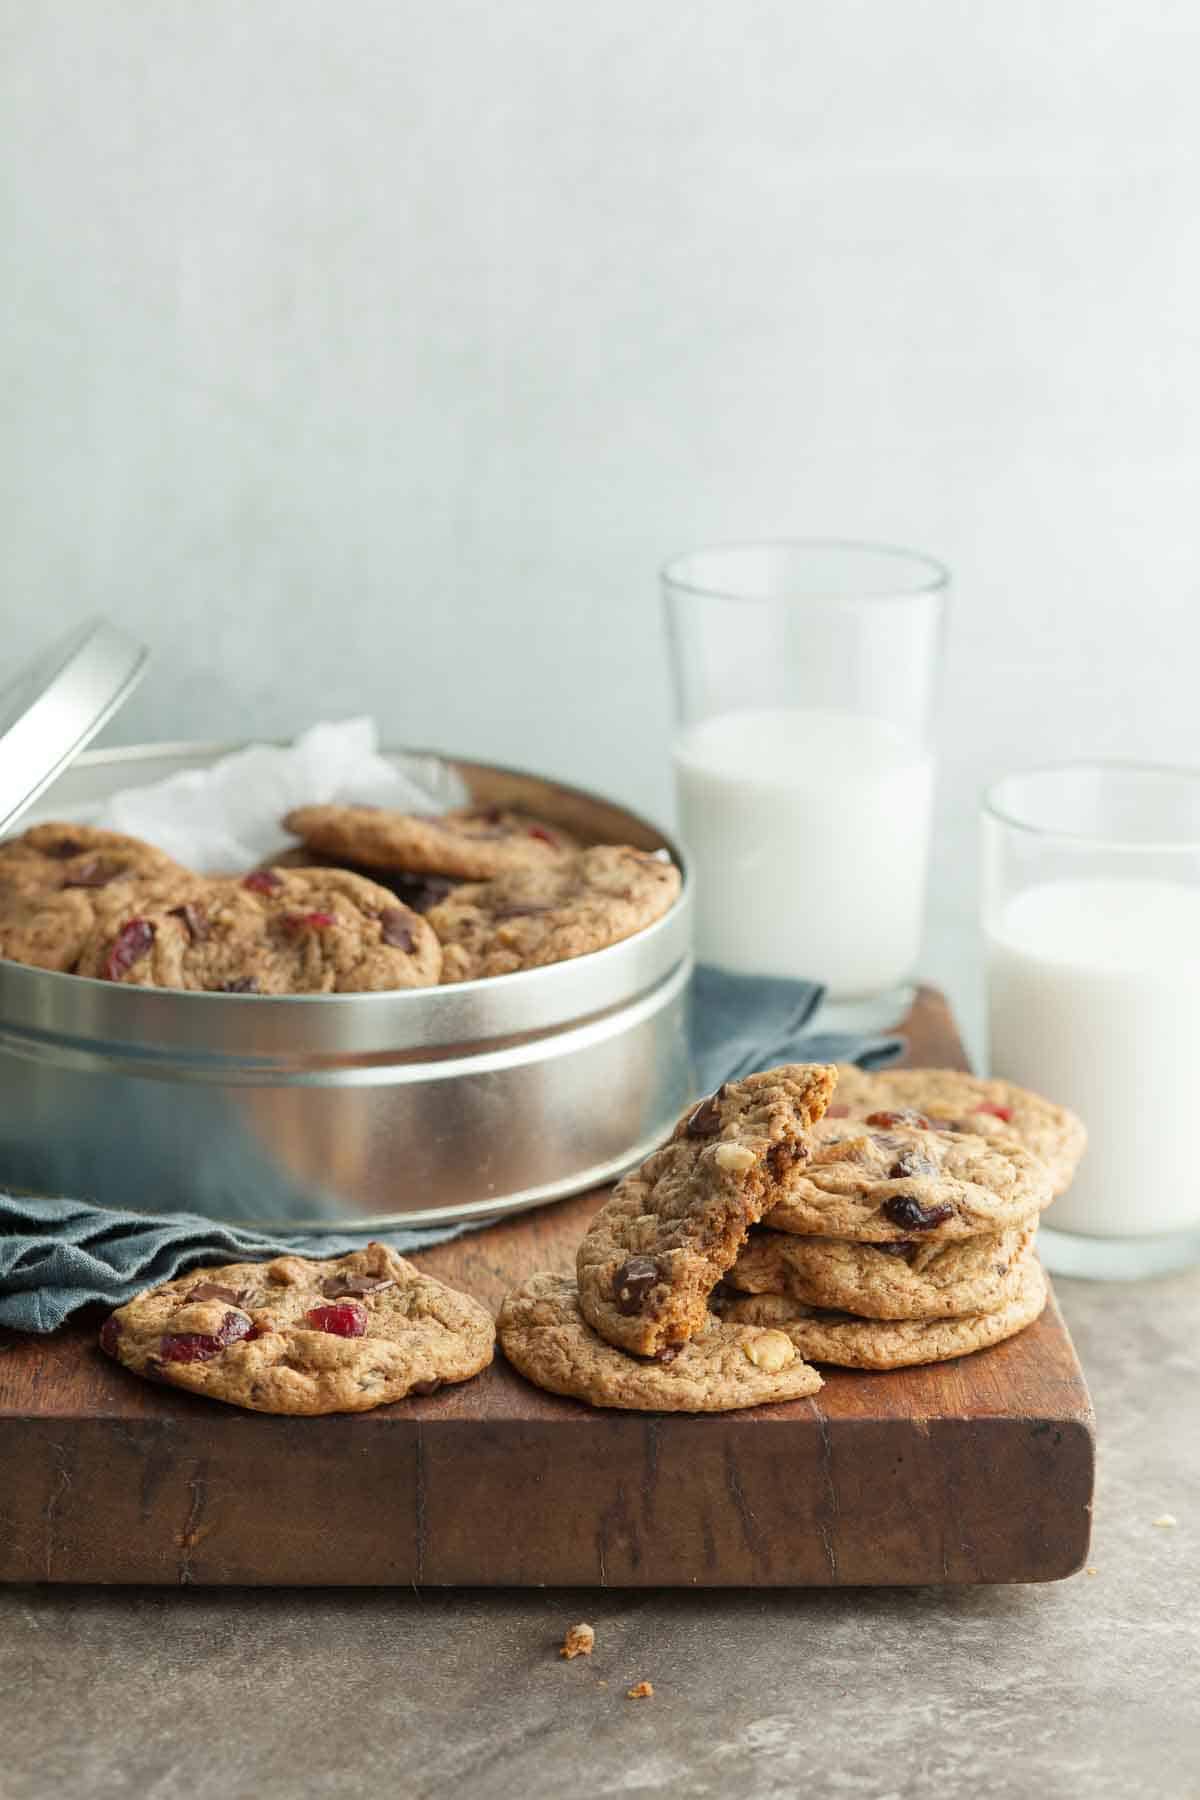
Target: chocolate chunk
[
  {"x": 418, "y": 892},
  {"x": 633, "y": 1281},
  {"x": 212, "y": 1290},
  {"x": 906, "y": 1210},
  {"x": 395, "y": 930},
  {"x": 706, "y": 1120},
  {"x": 424, "y": 1387},
  {"x": 901, "y": 1247},
  {"x": 520, "y": 912},
  {"x": 195, "y": 921},
  {"x": 62, "y": 848},
  {"x": 911, "y": 1162},
  {"x": 784, "y": 1156},
  {"x": 244, "y": 984},
  {"x": 338, "y": 1287}
]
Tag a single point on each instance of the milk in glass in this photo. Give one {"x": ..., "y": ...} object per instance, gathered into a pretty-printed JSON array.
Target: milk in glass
[
  {"x": 809, "y": 833},
  {"x": 1094, "y": 998}
]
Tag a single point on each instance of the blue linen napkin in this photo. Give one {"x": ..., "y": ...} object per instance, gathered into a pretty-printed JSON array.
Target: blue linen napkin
[{"x": 57, "y": 1255}]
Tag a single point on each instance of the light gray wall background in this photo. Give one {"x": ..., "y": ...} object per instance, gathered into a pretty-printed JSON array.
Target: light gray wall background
[{"x": 371, "y": 355}]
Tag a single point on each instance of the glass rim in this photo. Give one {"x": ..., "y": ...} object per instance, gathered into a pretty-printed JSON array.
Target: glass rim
[
  {"x": 991, "y": 808},
  {"x": 936, "y": 582}
]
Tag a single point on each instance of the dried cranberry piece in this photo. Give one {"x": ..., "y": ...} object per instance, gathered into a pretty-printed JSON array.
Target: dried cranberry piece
[
  {"x": 199, "y": 1346},
  {"x": 911, "y": 1162},
  {"x": 906, "y": 1210},
  {"x": 340, "y": 1287},
  {"x": 95, "y": 873},
  {"x": 262, "y": 1329},
  {"x": 212, "y": 1290},
  {"x": 706, "y": 1120},
  {"x": 313, "y": 921},
  {"x": 348, "y": 1319},
  {"x": 394, "y": 929},
  {"x": 543, "y": 836},
  {"x": 110, "y": 1331},
  {"x": 134, "y": 941},
  {"x": 263, "y": 881},
  {"x": 194, "y": 920},
  {"x": 633, "y": 1281},
  {"x": 243, "y": 984},
  {"x": 903, "y": 1115},
  {"x": 837, "y": 1111},
  {"x": 997, "y": 1112},
  {"x": 668, "y": 1353}
]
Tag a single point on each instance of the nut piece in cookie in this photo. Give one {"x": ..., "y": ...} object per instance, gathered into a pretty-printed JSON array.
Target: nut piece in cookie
[
  {"x": 653, "y": 1254},
  {"x": 878, "y": 1183},
  {"x": 578, "y": 904},
  {"x": 835, "y": 1337},
  {"x": 544, "y": 1334},
  {"x": 312, "y": 931},
  {"x": 305, "y": 1337},
  {"x": 908, "y": 1278},
  {"x": 470, "y": 843},
  {"x": 952, "y": 1100}
]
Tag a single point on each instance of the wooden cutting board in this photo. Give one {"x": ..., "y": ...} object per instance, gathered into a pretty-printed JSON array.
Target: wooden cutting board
[{"x": 978, "y": 1470}]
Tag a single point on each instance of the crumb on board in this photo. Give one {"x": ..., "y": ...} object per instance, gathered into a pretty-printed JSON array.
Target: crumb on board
[
  {"x": 1091, "y": 1569},
  {"x": 579, "y": 1641},
  {"x": 643, "y": 1690},
  {"x": 1165, "y": 1520}
]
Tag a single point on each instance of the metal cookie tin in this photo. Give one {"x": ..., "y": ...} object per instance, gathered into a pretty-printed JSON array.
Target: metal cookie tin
[{"x": 333, "y": 1112}]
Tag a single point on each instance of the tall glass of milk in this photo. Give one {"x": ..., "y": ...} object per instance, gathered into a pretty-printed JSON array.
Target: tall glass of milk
[
  {"x": 1091, "y": 911},
  {"x": 805, "y": 677}
]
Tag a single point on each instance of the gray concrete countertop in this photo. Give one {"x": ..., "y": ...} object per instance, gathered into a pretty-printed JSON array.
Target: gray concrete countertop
[{"x": 1082, "y": 1690}]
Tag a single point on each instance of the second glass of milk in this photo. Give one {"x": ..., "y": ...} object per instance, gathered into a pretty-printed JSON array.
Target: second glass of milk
[
  {"x": 805, "y": 675},
  {"x": 1091, "y": 910}
]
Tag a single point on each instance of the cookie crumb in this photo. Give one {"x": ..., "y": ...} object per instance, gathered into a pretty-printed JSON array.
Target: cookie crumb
[
  {"x": 1166, "y": 1520},
  {"x": 579, "y": 1641},
  {"x": 1090, "y": 1570},
  {"x": 643, "y": 1691}
]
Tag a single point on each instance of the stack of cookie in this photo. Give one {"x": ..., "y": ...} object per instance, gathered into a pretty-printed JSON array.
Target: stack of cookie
[
  {"x": 783, "y": 1225},
  {"x": 372, "y": 900}
]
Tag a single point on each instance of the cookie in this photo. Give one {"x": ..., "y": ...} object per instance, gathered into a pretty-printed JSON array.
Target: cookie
[
  {"x": 51, "y": 857},
  {"x": 909, "y": 1279},
  {"x": 881, "y": 1186},
  {"x": 953, "y": 1100},
  {"x": 418, "y": 891},
  {"x": 303, "y": 931},
  {"x": 544, "y": 1334},
  {"x": 44, "y": 930},
  {"x": 296, "y": 1336},
  {"x": 654, "y": 1252},
  {"x": 471, "y": 843},
  {"x": 578, "y": 904},
  {"x": 834, "y": 1337}
]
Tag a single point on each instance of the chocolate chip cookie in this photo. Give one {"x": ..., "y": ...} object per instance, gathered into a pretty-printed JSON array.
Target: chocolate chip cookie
[
  {"x": 654, "y": 1252},
  {"x": 952, "y": 1100},
  {"x": 881, "y": 1184},
  {"x": 471, "y": 843},
  {"x": 418, "y": 891},
  {"x": 835, "y": 1337},
  {"x": 315, "y": 931},
  {"x": 53, "y": 857},
  {"x": 296, "y": 1336},
  {"x": 908, "y": 1279},
  {"x": 581, "y": 903},
  {"x": 544, "y": 1334}
]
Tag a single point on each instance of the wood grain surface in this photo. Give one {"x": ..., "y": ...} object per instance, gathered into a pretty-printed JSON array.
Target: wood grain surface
[{"x": 978, "y": 1470}]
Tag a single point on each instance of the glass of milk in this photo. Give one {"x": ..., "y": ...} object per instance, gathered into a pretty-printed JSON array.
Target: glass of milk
[
  {"x": 805, "y": 677},
  {"x": 1091, "y": 912}
]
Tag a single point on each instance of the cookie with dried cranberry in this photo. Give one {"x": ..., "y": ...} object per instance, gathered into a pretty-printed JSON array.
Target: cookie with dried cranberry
[
  {"x": 418, "y": 891},
  {"x": 301, "y": 931},
  {"x": 654, "y": 1252},
  {"x": 544, "y": 1335},
  {"x": 952, "y": 1100},
  {"x": 835, "y": 1337},
  {"x": 300, "y": 1336},
  {"x": 912, "y": 1278},
  {"x": 470, "y": 843},
  {"x": 53, "y": 857},
  {"x": 582, "y": 903},
  {"x": 880, "y": 1184}
]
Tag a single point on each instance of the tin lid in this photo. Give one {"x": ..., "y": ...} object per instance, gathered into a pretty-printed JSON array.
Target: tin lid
[{"x": 56, "y": 706}]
